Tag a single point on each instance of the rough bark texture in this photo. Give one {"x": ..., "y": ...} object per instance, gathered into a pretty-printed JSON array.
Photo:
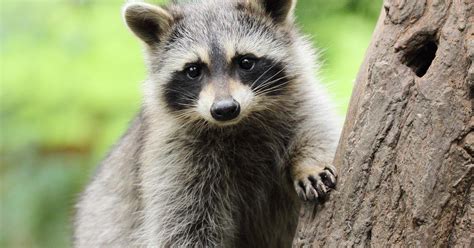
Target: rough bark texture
[{"x": 406, "y": 153}]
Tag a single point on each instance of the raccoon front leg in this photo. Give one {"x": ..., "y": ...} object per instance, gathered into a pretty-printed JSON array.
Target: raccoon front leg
[{"x": 312, "y": 172}]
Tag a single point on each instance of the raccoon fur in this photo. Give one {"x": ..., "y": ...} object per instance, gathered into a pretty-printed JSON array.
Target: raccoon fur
[{"x": 234, "y": 133}]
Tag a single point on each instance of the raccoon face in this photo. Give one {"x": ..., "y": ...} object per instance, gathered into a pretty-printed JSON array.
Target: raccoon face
[{"x": 220, "y": 61}]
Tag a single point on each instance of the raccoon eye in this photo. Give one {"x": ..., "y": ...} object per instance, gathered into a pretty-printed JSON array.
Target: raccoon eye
[
  {"x": 247, "y": 63},
  {"x": 193, "y": 71}
]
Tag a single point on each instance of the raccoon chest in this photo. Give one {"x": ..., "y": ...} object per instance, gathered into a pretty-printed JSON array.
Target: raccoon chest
[
  {"x": 235, "y": 195},
  {"x": 253, "y": 191}
]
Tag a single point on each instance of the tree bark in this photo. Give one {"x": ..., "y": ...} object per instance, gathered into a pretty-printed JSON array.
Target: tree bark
[{"x": 405, "y": 157}]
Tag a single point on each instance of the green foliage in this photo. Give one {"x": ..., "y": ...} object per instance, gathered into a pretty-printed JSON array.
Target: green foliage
[
  {"x": 70, "y": 82},
  {"x": 342, "y": 36}
]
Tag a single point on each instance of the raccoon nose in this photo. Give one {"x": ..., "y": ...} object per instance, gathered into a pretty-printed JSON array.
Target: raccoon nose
[{"x": 225, "y": 110}]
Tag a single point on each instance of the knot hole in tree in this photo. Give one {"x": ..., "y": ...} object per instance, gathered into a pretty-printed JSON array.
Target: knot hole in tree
[{"x": 419, "y": 56}]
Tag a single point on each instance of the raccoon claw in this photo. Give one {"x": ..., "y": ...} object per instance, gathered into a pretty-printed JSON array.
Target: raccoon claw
[{"x": 315, "y": 183}]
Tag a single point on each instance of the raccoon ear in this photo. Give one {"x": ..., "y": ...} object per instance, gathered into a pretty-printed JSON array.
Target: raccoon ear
[
  {"x": 147, "y": 21},
  {"x": 279, "y": 10}
]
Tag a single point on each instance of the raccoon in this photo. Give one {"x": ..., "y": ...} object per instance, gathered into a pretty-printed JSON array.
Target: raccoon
[{"x": 234, "y": 134}]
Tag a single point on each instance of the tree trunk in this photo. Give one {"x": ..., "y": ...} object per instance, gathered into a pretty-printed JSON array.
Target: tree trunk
[{"x": 406, "y": 152}]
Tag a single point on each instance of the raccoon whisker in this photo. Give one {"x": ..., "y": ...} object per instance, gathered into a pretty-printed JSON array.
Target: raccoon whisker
[
  {"x": 185, "y": 111},
  {"x": 277, "y": 102},
  {"x": 273, "y": 81},
  {"x": 263, "y": 84},
  {"x": 198, "y": 125},
  {"x": 184, "y": 93},
  {"x": 183, "y": 124},
  {"x": 190, "y": 105},
  {"x": 183, "y": 121},
  {"x": 274, "y": 104},
  {"x": 186, "y": 116},
  {"x": 263, "y": 74},
  {"x": 270, "y": 78},
  {"x": 270, "y": 82},
  {"x": 273, "y": 88},
  {"x": 189, "y": 97}
]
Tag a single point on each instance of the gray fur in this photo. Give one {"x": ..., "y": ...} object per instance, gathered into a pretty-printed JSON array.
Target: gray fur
[{"x": 180, "y": 181}]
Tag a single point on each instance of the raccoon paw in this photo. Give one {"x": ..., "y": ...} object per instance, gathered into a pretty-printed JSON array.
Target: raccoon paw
[{"x": 313, "y": 183}]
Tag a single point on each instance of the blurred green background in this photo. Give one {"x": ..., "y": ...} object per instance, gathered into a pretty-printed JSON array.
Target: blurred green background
[{"x": 70, "y": 82}]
